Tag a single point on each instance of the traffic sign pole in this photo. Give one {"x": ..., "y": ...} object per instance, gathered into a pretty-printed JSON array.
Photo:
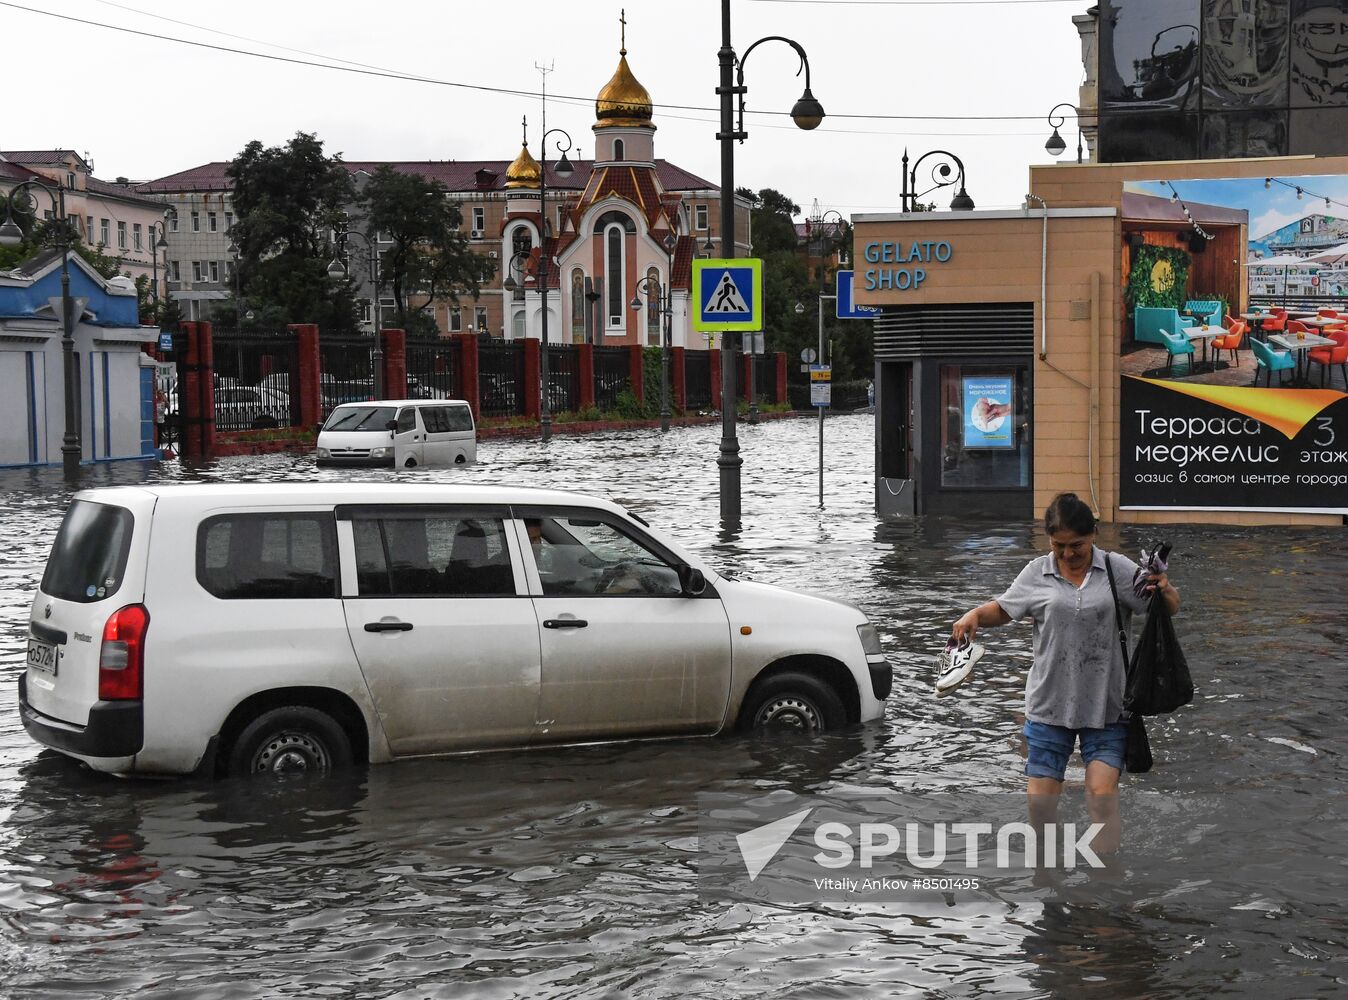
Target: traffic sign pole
[{"x": 821, "y": 409}]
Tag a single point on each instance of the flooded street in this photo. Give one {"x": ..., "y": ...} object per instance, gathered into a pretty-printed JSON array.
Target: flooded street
[{"x": 572, "y": 873}]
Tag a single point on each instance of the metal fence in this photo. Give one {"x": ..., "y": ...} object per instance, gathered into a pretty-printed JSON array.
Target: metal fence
[
  {"x": 255, "y": 379},
  {"x": 1335, "y": 302},
  {"x": 346, "y": 369},
  {"x": 434, "y": 370},
  {"x": 765, "y": 378},
  {"x": 612, "y": 374},
  {"x": 501, "y": 378},
  {"x": 563, "y": 378},
  {"x": 697, "y": 380}
]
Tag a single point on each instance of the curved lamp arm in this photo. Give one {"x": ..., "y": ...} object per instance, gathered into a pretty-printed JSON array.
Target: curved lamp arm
[
  {"x": 807, "y": 112},
  {"x": 940, "y": 175}
]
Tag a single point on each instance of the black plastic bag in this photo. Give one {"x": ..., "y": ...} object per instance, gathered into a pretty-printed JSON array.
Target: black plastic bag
[
  {"x": 1137, "y": 753},
  {"x": 1158, "y": 676}
]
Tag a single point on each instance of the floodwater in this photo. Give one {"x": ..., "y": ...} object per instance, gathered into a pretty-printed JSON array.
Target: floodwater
[{"x": 569, "y": 873}]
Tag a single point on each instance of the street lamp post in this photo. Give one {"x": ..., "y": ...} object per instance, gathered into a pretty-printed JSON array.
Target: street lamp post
[
  {"x": 156, "y": 245},
  {"x": 563, "y": 169},
  {"x": 338, "y": 269},
  {"x": 940, "y": 175},
  {"x": 665, "y": 310},
  {"x": 1055, "y": 144},
  {"x": 807, "y": 113},
  {"x": 21, "y": 200},
  {"x": 832, "y": 216}
]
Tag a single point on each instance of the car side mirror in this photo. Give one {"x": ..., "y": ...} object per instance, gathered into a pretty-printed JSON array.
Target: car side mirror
[
  {"x": 390, "y": 425},
  {"x": 691, "y": 580}
]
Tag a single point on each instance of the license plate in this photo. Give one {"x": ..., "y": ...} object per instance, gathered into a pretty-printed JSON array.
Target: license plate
[{"x": 42, "y": 656}]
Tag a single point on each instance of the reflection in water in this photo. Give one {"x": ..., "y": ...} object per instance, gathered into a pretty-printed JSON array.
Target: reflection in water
[{"x": 571, "y": 872}]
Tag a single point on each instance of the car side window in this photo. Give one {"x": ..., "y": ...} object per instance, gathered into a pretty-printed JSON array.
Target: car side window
[
  {"x": 435, "y": 418},
  {"x": 432, "y": 556},
  {"x": 460, "y": 418},
  {"x": 268, "y": 556},
  {"x": 584, "y": 557},
  {"x": 407, "y": 419}
]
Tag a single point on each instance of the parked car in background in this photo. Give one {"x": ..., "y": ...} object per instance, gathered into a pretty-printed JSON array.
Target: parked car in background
[
  {"x": 237, "y": 407},
  {"x": 270, "y": 628}
]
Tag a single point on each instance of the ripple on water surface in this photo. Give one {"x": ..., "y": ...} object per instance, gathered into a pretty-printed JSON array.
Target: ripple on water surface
[{"x": 571, "y": 872}]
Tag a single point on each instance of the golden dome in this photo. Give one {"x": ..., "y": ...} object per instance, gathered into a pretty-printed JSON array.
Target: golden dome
[
  {"x": 623, "y": 101},
  {"x": 524, "y": 172}
]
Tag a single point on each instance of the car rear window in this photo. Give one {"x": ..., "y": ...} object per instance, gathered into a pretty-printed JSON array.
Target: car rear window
[
  {"x": 268, "y": 556},
  {"x": 88, "y": 558}
]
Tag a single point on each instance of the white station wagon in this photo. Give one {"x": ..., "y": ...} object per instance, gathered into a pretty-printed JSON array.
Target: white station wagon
[{"x": 237, "y": 629}]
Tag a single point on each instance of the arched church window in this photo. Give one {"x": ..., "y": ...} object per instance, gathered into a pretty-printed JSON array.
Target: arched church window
[
  {"x": 615, "y": 218},
  {"x": 577, "y": 306},
  {"x": 522, "y": 240},
  {"x": 618, "y": 149},
  {"x": 615, "y": 282}
]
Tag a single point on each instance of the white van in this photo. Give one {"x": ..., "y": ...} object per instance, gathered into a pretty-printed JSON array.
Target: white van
[
  {"x": 237, "y": 629},
  {"x": 400, "y": 432}
]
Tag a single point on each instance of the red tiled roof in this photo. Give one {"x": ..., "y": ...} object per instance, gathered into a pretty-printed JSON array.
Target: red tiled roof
[
  {"x": 44, "y": 156},
  {"x": 456, "y": 175},
  {"x": 12, "y": 171},
  {"x": 125, "y": 192}
]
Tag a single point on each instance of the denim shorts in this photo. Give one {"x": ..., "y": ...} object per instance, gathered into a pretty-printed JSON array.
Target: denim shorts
[{"x": 1050, "y": 746}]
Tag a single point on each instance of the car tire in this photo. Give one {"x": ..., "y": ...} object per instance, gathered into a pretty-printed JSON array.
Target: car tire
[
  {"x": 792, "y": 701},
  {"x": 294, "y": 739}
]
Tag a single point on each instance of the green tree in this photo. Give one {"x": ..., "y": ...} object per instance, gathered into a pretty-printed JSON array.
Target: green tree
[
  {"x": 427, "y": 254},
  {"x": 288, "y": 201}
]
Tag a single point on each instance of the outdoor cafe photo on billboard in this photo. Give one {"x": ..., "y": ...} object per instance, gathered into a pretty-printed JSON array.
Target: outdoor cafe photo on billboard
[{"x": 1234, "y": 362}]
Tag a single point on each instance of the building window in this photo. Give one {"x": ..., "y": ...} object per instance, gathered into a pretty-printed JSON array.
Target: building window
[
  {"x": 455, "y": 317},
  {"x": 215, "y": 270},
  {"x": 653, "y": 303},
  {"x": 175, "y": 270},
  {"x": 382, "y": 236},
  {"x": 196, "y": 222},
  {"x": 578, "y": 306},
  {"x": 173, "y": 222},
  {"x": 212, "y": 224},
  {"x": 89, "y": 229},
  {"x": 479, "y": 220},
  {"x": 619, "y": 149},
  {"x": 364, "y": 312},
  {"x": 614, "y": 279},
  {"x": 135, "y": 235},
  {"x": 121, "y": 236},
  {"x": 388, "y": 313},
  {"x": 229, "y": 221},
  {"x": 103, "y": 231},
  {"x": 521, "y": 240},
  {"x": 700, "y": 214},
  {"x": 482, "y": 320},
  {"x": 985, "y": 439},
  {"x": 196, "y": 270},
  {"x": 70, "y": 180}
]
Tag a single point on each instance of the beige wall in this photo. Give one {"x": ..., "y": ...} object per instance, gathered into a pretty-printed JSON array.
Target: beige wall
[{"x": 1076, "y": 381}]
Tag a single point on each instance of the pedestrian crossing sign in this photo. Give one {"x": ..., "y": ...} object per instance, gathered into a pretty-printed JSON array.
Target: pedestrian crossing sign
[{"x": 728, "y": 294}]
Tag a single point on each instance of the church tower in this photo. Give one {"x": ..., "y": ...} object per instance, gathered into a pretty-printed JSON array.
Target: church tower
[{"x": 624, "y": 132}]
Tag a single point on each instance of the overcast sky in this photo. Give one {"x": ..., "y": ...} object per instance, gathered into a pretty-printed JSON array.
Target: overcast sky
[{"x": 144, "y": 107}]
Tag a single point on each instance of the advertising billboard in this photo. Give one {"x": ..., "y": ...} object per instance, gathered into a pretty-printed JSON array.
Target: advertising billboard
[{"x": 989, "y": 412}]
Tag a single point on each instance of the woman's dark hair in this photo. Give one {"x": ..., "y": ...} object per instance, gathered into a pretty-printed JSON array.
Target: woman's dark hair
[{"x": 1068, "y": 512}]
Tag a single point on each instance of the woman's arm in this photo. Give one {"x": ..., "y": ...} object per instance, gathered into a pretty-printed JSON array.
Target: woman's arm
[
  {"x": 988, "y": 614},
  {"x": 1161, "y": 584}
]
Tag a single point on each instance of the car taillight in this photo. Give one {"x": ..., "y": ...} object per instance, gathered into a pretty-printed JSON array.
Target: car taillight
[{"x": 122, "y": 656}]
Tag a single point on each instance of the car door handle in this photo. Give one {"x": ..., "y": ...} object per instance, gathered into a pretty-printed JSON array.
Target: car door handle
[
  {"x": 565, "y": 623},
  {"x": 388, "y": 626}
]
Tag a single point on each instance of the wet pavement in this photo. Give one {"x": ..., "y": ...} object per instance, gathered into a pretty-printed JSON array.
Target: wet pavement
[{"x": 571, "y": 873}]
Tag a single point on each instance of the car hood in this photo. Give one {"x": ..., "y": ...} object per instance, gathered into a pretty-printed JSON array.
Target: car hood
[
  {"x": 355, "y": 439},
  {"x": 785, "y": 603}
]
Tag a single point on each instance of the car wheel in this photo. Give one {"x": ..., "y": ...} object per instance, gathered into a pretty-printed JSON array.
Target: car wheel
[
  {"x": 295, "y": 739},
  {"x": 265, "y": 423},
  {"x": 411, "y": 463},
  {"x": 792, "y": 701}
]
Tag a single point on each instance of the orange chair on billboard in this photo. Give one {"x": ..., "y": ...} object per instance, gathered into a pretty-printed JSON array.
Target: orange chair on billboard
[
  {"x": 1232, "y": 340},
  {"x": 1328, "y": 357}
]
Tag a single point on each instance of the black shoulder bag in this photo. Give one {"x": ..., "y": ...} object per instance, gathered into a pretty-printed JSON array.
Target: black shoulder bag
[{"x": 1137, "y": 755}]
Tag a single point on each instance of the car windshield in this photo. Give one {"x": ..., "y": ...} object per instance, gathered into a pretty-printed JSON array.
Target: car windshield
[{"x": 360, "y": 418}]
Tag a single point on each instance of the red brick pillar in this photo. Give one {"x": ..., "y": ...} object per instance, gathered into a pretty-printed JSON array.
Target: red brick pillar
[
  {"x": 715, "y": 378},
  {"x": 394, "y": 343},
  {"x": 586, "y": 356},
  {"x": 196, "y": 396},
  {"x": 636, "y": 372},
  {"x": 781, "y": 376},
  {"x": 310, "y": 366},
  {"x": 532, "y": 380},
  {"x": 677, "y": 377},
  {"x": 467, "y": 375}
]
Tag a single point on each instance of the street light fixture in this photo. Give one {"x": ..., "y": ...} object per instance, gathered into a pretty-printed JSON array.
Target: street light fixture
[
  {"x": 941, "y": 177},
  {"x": 664, "y": 307},
  {"x": 338, "y": 270},
  {"x": 807, "y": 114},
  {"x": 21, "y": 200},
  {"x": 156, "y": 245},
  {"x": 563, "y": 170},
  {"x": 1055, "y": 144}
]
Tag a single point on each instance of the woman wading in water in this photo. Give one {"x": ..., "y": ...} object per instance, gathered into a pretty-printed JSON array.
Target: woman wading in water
[{"x": 1074, "y": 692}]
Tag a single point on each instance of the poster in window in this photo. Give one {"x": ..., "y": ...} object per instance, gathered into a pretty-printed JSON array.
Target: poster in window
[{"x": 989, "y": 413}]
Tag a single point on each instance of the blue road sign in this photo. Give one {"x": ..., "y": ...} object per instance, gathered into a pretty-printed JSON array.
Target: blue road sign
[
  {"x": 729, "y": 295},
  {"x": 847, "y": 307},
  {"x": 165, "y": 340}
]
